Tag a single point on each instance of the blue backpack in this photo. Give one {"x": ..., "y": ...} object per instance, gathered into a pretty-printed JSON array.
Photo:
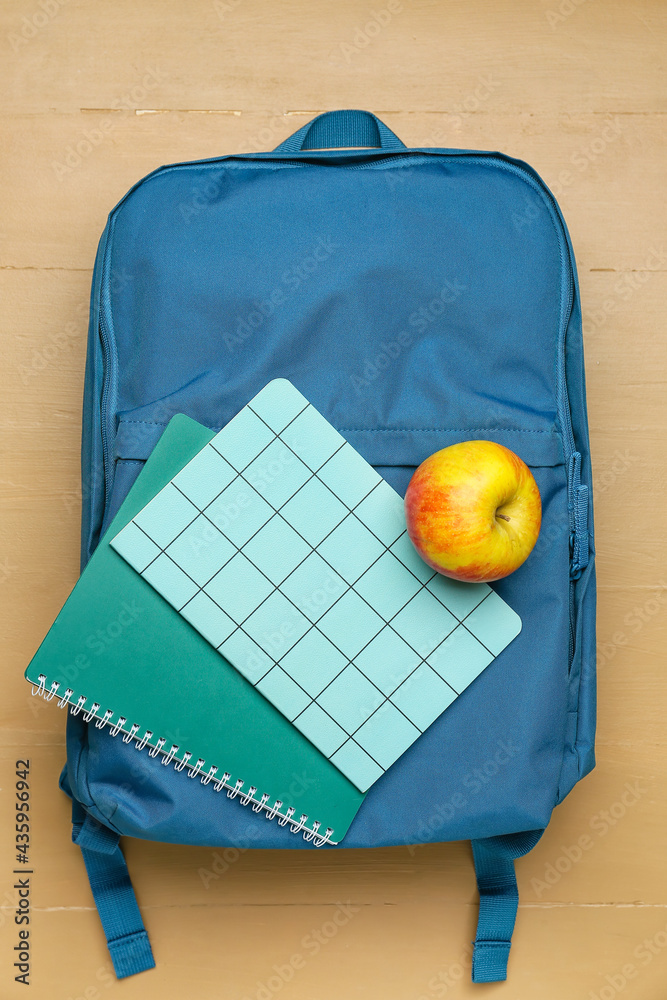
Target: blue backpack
[{"x": 418, "y": 297}]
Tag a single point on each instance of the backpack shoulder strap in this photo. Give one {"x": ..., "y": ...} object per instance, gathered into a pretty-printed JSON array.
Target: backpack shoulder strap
[
  {"x": 498, "y": 901},
  {"x": 114, "y": 896}
]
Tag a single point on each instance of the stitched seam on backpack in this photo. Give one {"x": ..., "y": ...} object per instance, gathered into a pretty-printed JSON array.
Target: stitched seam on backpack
[
  {"x": 394, "y": 430},
  {"x": 441, "y": 430}
]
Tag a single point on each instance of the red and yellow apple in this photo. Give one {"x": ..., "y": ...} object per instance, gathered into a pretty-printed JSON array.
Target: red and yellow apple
[{"x": 473, "y": 511}]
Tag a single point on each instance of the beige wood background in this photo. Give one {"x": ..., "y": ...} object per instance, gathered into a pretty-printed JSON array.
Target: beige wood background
[{"x": 575, "y": 87}]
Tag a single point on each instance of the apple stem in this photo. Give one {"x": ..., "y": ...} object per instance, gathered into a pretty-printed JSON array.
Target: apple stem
[{"x": 504, "y": 517}]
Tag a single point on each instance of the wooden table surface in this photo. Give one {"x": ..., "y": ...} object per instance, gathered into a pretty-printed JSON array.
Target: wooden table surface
[{"x": 97, "y": 94}]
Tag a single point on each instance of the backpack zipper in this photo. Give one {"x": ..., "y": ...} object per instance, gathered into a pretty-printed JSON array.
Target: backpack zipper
[
  {"x": 108, "y": 376},
  {"x": 104, "y": 409}
]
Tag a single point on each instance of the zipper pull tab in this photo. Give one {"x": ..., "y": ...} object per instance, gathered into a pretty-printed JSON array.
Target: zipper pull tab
[{"x": 577, "y": 505}]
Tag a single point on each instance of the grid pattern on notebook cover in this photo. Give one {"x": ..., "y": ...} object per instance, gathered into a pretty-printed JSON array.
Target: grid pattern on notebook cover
[{"x": 286, "y": 550}]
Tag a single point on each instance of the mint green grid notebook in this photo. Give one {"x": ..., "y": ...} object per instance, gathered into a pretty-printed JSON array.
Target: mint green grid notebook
[{"x": 286, "y": 550}]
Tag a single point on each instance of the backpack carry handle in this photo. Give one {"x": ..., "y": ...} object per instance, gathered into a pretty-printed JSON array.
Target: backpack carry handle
[{"x": 339, "y": 130}]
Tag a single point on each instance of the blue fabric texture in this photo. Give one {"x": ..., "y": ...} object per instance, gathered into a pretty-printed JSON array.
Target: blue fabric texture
[{"x": 417, "y": 297}]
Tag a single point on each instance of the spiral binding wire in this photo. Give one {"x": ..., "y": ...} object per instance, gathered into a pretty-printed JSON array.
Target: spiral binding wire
[{"x": 193, "y": 770}]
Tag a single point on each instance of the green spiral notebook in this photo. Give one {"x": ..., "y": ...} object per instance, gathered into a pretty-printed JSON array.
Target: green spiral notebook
[{"x": 120, "y": 654}]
